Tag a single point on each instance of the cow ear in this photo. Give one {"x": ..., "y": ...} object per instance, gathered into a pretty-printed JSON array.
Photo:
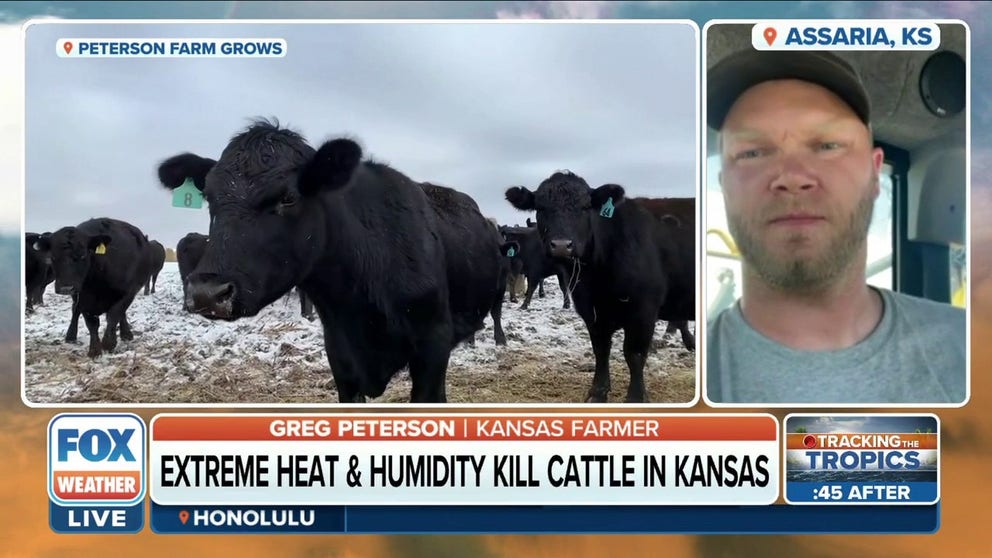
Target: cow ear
[
  {"x": 510, "y": 249},
  {"x": 31, "y": 238},
  {"x": 42, "y": 242},
  {"x": 531, "y": 223},
  {"x": 98, "y": 243},
  {"x": 606, "y": 198},
  {"x": 331, "y": 167},
  {"x": 174, "y": 171},
  {"x": 521, "y": 198}
]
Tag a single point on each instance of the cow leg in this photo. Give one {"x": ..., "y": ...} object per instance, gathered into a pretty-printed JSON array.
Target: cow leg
[
  {"x": 110, "y": 333},
  {"x": 154, "y": 282},
  {"x": 687, "y": 338},
  {"x": 636, "y": 344},
  {"x": 511, "y": 283},
  {"x": 148, "y": 285},
  {"x": 602, "y": 341},
  {"x": 115, "y": 317},
  {"x": 71, "y": 333},
  {"x": 93, "y": 325},
  {"x": 563, "y": 283},
  {"x": 306, "y": 306},
  {"x": 531, "y": 287},
  {"x": 497, "y": 314},
  {"x": 429, "y": 366},
  {"x": 349, "y": 390},
  {"x": 540, "y": 288},
  {"x": 126, "y": 333}
]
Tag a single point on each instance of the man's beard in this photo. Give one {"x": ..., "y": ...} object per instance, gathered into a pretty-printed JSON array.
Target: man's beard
[{"x": 785, "y": 271}]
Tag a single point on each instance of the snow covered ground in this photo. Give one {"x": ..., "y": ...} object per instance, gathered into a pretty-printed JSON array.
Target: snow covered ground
[{"x": 278, "y": 357}]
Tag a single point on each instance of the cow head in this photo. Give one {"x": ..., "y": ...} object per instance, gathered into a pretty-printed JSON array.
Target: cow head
[
  {"x": 71, "y": 252},
  {"x": 266, "y": 223},
  {"x": 33, "y": 243},
  {"x": 565, "y": 207}
]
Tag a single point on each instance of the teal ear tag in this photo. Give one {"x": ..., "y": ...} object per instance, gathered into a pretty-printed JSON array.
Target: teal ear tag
[
  {"x": 511, "y": 252},
  {"x": 607, "y": 210},
  {"x": 187, "y": 196}
]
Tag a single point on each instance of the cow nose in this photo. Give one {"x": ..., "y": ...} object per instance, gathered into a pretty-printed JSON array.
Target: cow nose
[
  {"x": 211, "y": 298},
  {"x": 561, "y": 248}
]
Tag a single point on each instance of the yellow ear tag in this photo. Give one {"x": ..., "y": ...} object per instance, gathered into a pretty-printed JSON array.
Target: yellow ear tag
[{"x": 101, "y": 249}]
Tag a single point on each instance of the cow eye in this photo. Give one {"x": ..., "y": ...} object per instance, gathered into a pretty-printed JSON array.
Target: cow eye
[{"x": 287, "y": 200}]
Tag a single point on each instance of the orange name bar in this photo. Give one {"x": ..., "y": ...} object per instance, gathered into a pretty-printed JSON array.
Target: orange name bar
[
  {"x": 96, "y": 485},
  {"x": 873, "y": 441},
  {"x": 599, "y": 427}
]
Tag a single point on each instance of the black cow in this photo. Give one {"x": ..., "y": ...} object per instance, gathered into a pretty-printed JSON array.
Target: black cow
[
  {"x": 189, "y": 251},
  {"x": 103, "y": 264},
  {"x": 475, "y": 260},
  {"x": 362, "y": 240},
  {"x": 633, "y": 267},
  {"x": 534, "y": 263},
  {"x": 679, "y": 213},
  {"x": 156, "y": 254},
  {"x": 38, "y": 271}
]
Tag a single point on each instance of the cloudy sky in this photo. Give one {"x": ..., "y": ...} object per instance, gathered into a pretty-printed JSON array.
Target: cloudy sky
[{"x": 478, "y": 107}]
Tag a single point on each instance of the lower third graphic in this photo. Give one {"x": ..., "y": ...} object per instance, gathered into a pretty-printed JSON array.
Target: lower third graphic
[{"x": 862, "y": 459}]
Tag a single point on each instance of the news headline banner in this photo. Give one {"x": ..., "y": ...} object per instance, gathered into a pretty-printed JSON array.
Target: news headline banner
[
  {"x": 477, "y": 460},
  {"x": 113, "y": 47},
  {"x": 862, "y": 459}
]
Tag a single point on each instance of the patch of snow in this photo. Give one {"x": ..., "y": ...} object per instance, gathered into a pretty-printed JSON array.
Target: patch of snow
[{"x": 277, "y": 356}]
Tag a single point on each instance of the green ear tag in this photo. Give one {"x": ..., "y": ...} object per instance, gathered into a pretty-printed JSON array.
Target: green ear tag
[
  {"x": 187, "y": 196},
  {"x": 511, "y": 252},
  {"x": 607, "y": 210}
]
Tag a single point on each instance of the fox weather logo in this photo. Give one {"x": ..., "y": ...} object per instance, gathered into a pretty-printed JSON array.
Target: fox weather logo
[{"x": 96, "y": 472}]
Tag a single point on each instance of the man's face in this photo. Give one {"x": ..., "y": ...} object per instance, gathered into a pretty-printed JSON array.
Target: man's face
[{"x": 800, "y": 179}]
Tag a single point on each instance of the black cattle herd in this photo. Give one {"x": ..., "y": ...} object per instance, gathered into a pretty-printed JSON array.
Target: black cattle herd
[{"x": 399, "y": 272}]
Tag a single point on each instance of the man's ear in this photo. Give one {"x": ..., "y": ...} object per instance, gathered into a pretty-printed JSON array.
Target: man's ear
[
  {"x": 174, "y": 171},
  {"x": 331, "y": 167},
  {"x": 98, "y": 243},
  {"x": 520, "y": 198},
  {"x": 877, "y": 160},
  {"x": 606, "y": 197}
]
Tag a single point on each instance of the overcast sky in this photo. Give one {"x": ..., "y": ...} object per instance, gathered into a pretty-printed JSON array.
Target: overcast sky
[{"x": 478, "y": 107}]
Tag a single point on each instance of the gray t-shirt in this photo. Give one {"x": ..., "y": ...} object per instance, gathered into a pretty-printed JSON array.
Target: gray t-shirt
[{"x": 916, "y": 354}]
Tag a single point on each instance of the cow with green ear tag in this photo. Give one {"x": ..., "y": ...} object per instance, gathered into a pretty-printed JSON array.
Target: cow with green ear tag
[{"x": 632, "y": 262}]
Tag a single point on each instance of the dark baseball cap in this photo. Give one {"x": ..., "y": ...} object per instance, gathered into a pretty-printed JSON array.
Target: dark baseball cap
[{"x": 737, "y": 73}]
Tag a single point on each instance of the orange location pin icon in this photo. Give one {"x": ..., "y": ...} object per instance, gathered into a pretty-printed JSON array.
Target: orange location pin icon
[
  {"x": 770, "y": 34},
  {"x": 67, "y": 46},
  {"x": 184, "y": 516}
]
